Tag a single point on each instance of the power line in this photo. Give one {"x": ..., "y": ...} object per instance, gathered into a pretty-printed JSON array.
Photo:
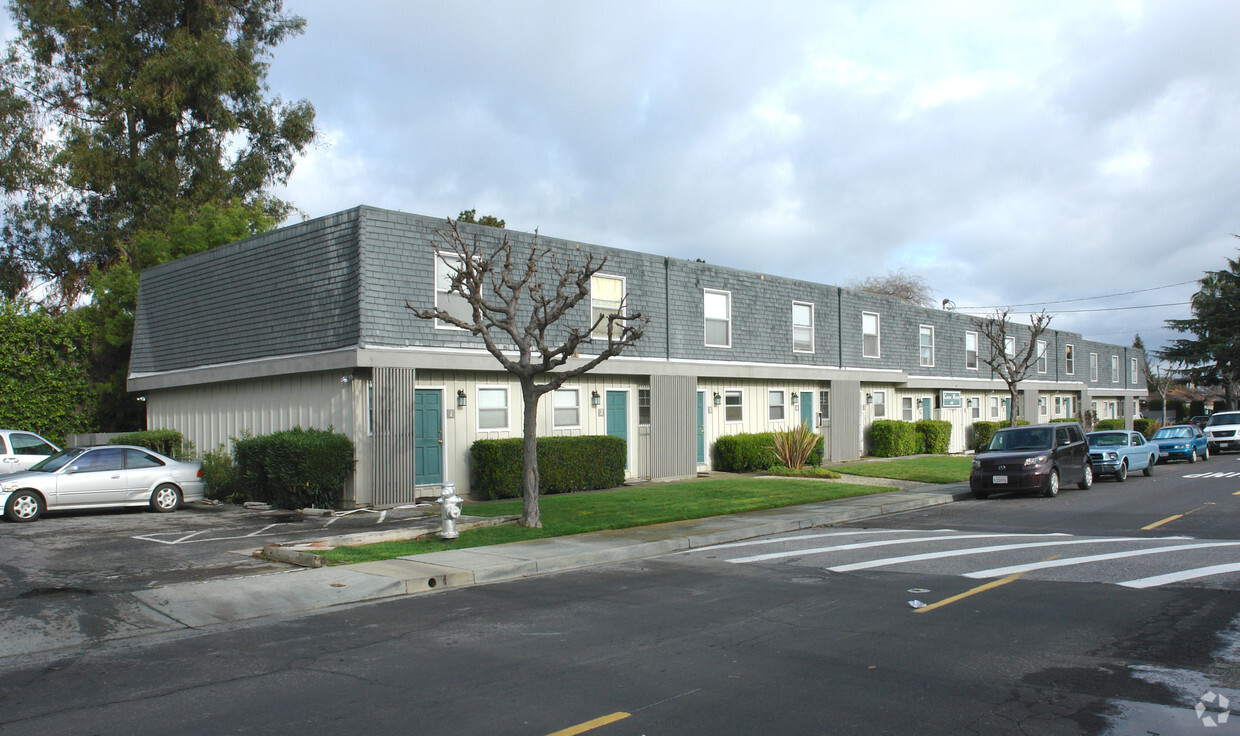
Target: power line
[{"x": 1080, "y": 299}]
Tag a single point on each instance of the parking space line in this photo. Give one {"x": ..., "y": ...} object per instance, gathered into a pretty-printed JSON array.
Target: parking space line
[
  {"x": 995, "y": 572},
  {"x": 188, "y": 536},
  {"x": 260, "y": 531}
]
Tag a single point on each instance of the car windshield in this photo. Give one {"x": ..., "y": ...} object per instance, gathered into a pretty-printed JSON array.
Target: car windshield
[
  {"x": 52, "y": 463},
  {"x": 1108, "y": 439},
  {"x": 1172, "y": 433},
  {"x": 1021, "y": 439},
  {"x": 1228, "y": 418}
]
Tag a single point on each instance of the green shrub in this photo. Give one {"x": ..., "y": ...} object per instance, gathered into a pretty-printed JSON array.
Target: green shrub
[
  {"x": 794, "y": 446},
  {"x": 1065, "y": 419},
  {"x": 219, "y": 475},
  {"x": 892, "y": 438},
  {"x": 1107, "y": 424},
  {"x": 164, "y": 441},
  {"x": 565, "y": 465},
  {"x": 984, "y": 431},
  {"x": 1145, "y": 427},
  {"x": 936, "y": 435},
  {"x": 295, "y": 468},
  {"x": 747, "y": 453}
]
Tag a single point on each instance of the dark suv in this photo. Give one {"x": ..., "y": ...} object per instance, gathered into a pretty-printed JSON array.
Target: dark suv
[{"x": 1035, "y": 458}]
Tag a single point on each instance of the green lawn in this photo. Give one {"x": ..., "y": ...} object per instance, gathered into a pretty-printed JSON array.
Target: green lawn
[
  {"x": 936, "y": 469},
  {"x": 575, "y": 513}
]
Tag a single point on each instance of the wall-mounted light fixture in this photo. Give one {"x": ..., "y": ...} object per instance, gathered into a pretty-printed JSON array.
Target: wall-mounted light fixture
[
  {"x": 869, "y": 398},
  {"x": 796, "y": 398},
  {"x": 460, "y": 398},
  {"x": 594, "y": 398},
  {"x": 718, "y": 400}
]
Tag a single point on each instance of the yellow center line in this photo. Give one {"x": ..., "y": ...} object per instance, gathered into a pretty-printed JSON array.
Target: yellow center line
[
  {"x": 591, "y": 725},
  {"x": 1160, "y": 523},
  {"x": 975, "y": 591}
]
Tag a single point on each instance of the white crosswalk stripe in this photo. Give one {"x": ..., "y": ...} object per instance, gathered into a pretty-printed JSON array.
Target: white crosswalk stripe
[{"x": 940, "y": 552}]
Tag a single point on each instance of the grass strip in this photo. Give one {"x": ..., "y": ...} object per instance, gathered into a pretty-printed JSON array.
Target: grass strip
[
  {"x": 577, "y": 513},
  {"x": 936, "y": 469}
]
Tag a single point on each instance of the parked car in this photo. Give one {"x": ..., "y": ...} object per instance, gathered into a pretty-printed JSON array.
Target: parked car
[
  {"x": 1119, "y": 452},
  {"x": 19, "y": 450},
  {"x": 101, "y": 477},
  {"x": 1181, "y": 441},
  {"x": 1223, "y": 431},
  {"x": 1200, "y": 421},
  {"x": 1035, "y": 458}
]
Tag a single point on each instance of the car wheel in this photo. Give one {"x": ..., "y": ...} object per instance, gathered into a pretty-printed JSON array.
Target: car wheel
[
  {"x": 166, "y": 499},
  {"x": 1087, "y": 478},
  {"x": 1149, "y": 469},
  {"x": 1121, "y": 474},
  {"x": 1052, "y": 485},
  {"x": 1207, "y": 455},
  {"x": 24, "y": 506},
  {"x": 1192, "y": 458}
]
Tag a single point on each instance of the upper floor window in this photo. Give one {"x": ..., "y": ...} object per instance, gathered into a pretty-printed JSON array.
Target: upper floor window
[
  {"x": 643, "y": 407},
  {"x": 733, "y": 406},
  {"x": 1069, "y": 359},
  {"x": 1093, "y": 367},
  {"x": 1041, "y": 356},
  {"x": 1114, "y": 369},
  {"x": 606, "y": 298},
  {"x": 1009, "y": 347},
  {"x": 1132, "y": 370},
  {"x": 493, "y": 408},
  {"x": 717, "y": 308},
  {"x": 869, "y": 335},
  {"x": 446, "y": 266},
  {"x": 926, "y": 344},
  {"x": 775, "y": 405},
  {"x": 802, "y": 327},
  {"x": 970, "y": 350},
  {"x": 566, "y": 408}
]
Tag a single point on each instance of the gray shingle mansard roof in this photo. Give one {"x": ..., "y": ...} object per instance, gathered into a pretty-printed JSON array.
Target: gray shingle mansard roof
[{"x": 338, "y": 284}]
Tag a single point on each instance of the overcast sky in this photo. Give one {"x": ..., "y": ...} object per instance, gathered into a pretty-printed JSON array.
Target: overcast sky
[{"x": 1008, "y": 152}]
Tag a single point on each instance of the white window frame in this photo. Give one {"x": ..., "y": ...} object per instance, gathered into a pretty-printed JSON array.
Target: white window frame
[
  {"x": 803, "y": 328},
  {"x": 1058, "y": 405},
  {"x": 1069, "y": 359},
  {"x": 601, "y": 332},
  {"x": 878, "y": 335},
  {"x": 479, "y": 408},
  {"x": 1009, "y": 346},
  {"x": 1042, "y": 406},
  {"x": 824, "y": 405},
  {"x": 555, "y": 419},
  {"x": 974, "y": 406},
  {"x": 994, "y": 407},
  {"x": 1132, "y": 371},
  {"x": 739, "y": 405},
  {"x": 880, "y": 404},
  {"x": 645, "y": 391},
  {"x": 441, "y": 261},
  {"x": 922, "y": 332},
  {"x": 971, "y": 336},
  {"x": 1093, "y": 370},
  {"x": 706, "y": 318},
  {"x": 906, "y": 407},
  {"x": 782, "y": 405},
  {"x": 1114, "y": 369},
  {"x": 1041, "y": 356}
]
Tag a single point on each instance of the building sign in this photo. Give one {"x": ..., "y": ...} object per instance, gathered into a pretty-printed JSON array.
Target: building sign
[{"x": 950, "y": 400}]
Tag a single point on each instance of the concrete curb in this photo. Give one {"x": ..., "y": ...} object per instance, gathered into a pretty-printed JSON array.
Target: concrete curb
[{"x": 235, "y": 599}]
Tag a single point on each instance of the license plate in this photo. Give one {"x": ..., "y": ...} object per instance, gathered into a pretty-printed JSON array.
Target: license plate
[{"x": 999, "y": 480}]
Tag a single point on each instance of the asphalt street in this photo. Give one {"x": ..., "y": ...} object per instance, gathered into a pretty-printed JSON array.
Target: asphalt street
[{"x": 708, "y": 642}]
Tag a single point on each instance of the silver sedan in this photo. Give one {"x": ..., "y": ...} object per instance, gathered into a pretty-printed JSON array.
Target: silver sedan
[{"x": 101, "y": 477}]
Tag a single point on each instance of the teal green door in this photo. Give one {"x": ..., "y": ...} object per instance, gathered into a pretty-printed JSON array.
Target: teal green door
[
  {"x": 807, "y": 408},
  {"x": 701, "y": 427},
  {"x": 618, "y": 418},
  {"x": 427, "y": 436},
  {"x": 925, "y": 408}
]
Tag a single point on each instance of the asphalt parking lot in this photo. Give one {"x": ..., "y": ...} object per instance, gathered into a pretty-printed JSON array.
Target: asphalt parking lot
[{"x": 116, "y": 550}]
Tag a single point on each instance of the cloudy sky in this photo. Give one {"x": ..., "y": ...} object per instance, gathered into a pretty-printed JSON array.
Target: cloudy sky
[{"x": 1007, "y": 152}]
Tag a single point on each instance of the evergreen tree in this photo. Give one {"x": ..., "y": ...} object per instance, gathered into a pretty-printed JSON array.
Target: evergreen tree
[{"x": 1211, "y": 356}]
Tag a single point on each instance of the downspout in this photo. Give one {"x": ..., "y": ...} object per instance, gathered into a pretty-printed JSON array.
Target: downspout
[
  {"x": 839, "y": 324},
  {"x": 667, "y": 307}
]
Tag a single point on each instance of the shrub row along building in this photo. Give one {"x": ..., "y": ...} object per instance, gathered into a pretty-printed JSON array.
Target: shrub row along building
[{"x": 308, "y": 326}]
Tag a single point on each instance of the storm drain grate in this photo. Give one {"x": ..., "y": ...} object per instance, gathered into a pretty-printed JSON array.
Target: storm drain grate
[{"x": 60, "y": 591}]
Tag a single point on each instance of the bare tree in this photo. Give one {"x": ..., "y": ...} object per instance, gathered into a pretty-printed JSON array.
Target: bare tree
[
  {"x": 1161, "y": 378},
  {"x": 904, "y": 286},
  {"x": 494, "y": 283},
  {"x": 1006, "y": 358}
]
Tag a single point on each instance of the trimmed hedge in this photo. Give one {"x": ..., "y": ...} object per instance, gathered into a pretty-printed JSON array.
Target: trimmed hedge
[
  {"x": 164, "y": 441},
  {"x": 296, "y": 468},
  {"x": 747, "y": 453},
  {"x": 936, "y": 435},
  {"x": 893, "y": 438},
  {"x": 565, "y": 465},
  {"x": 1145, "y": 426},
  {"x": 1107, "y": 424}
]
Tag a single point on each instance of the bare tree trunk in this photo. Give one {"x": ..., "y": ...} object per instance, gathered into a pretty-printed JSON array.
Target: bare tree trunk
[
  {"x": 531, "y": 515},
  {"x": 1012, "y": 405}
]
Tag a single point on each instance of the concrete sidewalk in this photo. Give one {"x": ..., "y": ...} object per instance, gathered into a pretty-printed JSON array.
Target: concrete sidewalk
[{"x": 233, "y": 599}]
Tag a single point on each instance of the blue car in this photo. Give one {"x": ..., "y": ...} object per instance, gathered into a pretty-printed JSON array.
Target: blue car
[
  {"x": 1181, "y": 442},
  {"x": 1118, "y": 452}
]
